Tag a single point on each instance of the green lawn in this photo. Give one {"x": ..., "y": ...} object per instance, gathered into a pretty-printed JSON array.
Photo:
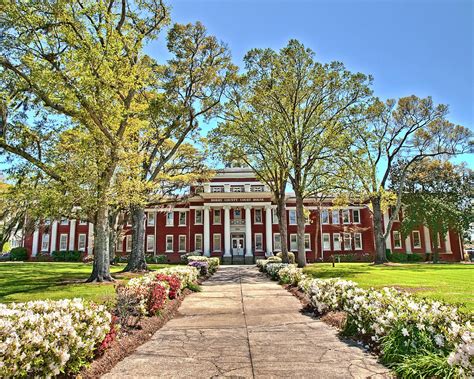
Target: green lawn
[
  {"x": 34, "y": 281},
  {"x": 453, "y": 283}
]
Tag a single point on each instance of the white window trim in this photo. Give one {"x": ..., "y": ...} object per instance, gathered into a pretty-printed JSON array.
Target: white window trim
[
  {"x": 195, "y": 216},
  {"x": 344, "y": 241},
  {"x": 324, "y": 211},
  {"x": 60, "y": 241},
  {"x": 339, "y": 248},
  {"x": 289, "y": 218},
  {"x": 309, "y": 241},
  {"x": 119, "y": 245},
  {"x": 328, "y": 235},
  {"x": 274, "y": 216},
  {"x": 195, "y": 238},
  {"x": 179, "y": 218},
  {"x": 148, "y": 249},
  {"x": 128, "y": 248},
  {"x": 181, "y": 236},
  {"x": 172, "y": 218},
  {"x": 413, "y": 239},
  {"x": 396, "y": 232},
  {"x": 255, "y": 241},
  {"x": 172, "y": 243},
  {"x": 348, "y": 211},
  {"x": 295, "y": 248},
  {"x": 355, "y": 244},
  {"x": 353, "y": 218},
  {"x": 83, "y": 235},
  {"x": 153, "y": 218},
  {"x": 64, "y": 221},
  {"x": 214, "y": 242},
  {"x": 214, "y": 217},
  {"x": 274, "y": 241},
  {"x": 255, "y": 216},
  {"x": 43, "y": 242}
]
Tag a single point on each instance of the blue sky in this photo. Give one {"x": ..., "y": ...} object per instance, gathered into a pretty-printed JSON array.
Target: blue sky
[{"x": 410, "y": 46}]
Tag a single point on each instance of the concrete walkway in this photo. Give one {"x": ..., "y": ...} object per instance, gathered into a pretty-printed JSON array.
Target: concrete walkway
[{"x": 244, "y": 325}]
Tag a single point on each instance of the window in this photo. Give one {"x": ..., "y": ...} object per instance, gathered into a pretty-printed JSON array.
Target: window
[
  {"x": 358, "y": 241},
  {"x": 150, "y": 243},
  {"x": 347, "y": 241},
  {"x": 236, "y": 188},
  {"x": 256, "y": 188},
  {"x": 356, "y": 216},
  {"x": 198, "y": 216},
  {"x": 82, "y": 222},
  {"x": 346, "y": 216},
  {"x": 237, "y": 213},
  {"x": 150, "y": 219},
  {"x": 324, "y": 216},
  {"x": 258, "y": 216},
  {"x": 169, "y": 244},
  {"x": 47, "y": 221},
  {"x": 182, "y": 218},
  {"x": 216, "y": 189},
  {"x": 336, "y": 241},
  {"x": 274, "y": 216},
  {"x": 397, "y": 239},
  {"x": 170, "y": 218},
  {"x": 64, "y": 221},
  {"x": 216, "y": 242},
  {"x": 63, "y": 242},
  {"x": 198, "y": 242},
  {"x": 277, "y": 242},
  {"x": 81, "y": 242},
  {"x": 307, "y": 242},
  {"x": 335, "y": 216},
  {"x": 326, "y": 241},
  {"x": 118, "y": 248},
  {"x": 217, "y": 216},
  {"x": 182, "y": 243},
  {"x": 128, "y": 243},
  {"x": 45, "y": 242},
  {"x": 292, "y": 217},
  {"x": 293, "y": 242},
  {"x": 416, "y": 239},
  {"x": 258, "y": 242}
]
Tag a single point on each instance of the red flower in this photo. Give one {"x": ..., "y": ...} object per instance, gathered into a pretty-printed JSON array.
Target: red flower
[{"x": 174, "y": 283}]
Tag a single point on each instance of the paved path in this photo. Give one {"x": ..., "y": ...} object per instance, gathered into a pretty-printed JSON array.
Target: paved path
[{"x": 244, "y": 325}]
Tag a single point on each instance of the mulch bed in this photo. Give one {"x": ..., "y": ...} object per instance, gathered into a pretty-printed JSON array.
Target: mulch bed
[{"x": 127, "y": 343}]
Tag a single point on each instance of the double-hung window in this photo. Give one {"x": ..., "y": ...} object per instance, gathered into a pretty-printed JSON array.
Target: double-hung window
[
  {"x": 198, "y": 216},
  {"x": 216, "y": 242},
  {"x": 45, "y": 242},
  {"x": 335, "y": 216},
  {"x": 293, "y": 242},
  {"x": 397, "y": 239},
  {"x": 150, "y": 220},
  {"x": 169, "y": 243},
  {"x": 63, "y": 242},
  {"x": 346, "y": 216},
  {"x": 292, "y": 216},
  {"x": 81, "y": 242},
  {"x": 277, "y": 242},
  {"x": 217, "y": 216},
  {"x": 182, "y": 218},
  {"x": 336, "y": 241},
  {"x": 356, "y": 216},
  {"x": 257, "y": 216},
  {"x": 347, "y": 241},
  {"x": 182, "y": 243},
  {"x": 170, "y": 218},
  {"x": 128, "y": 243},
  {"x": 198, "y": 242},
  {"x": 416, "y": 239},
  {"x": 258, "y": 242},
  {"x": 325, "y": 216},
  {"x": 358, "y": 241},
  {"x": 326, "y": 241},
  {"x": 150, "y": 243}
]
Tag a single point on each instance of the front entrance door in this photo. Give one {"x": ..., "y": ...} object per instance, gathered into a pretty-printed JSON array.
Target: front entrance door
[{"x": 238, "y": 245}]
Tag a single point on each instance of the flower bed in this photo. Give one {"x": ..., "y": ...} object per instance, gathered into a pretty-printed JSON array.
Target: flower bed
[
  {"x": 213, "y": 263},
  {"x": 45, "y": 338},
  {"x": 416, "y": 337}
]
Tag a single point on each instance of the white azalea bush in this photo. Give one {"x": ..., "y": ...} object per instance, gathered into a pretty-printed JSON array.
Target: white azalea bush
[
  {"x": 416, "y": 337},
  {"x": 46, "y": 338}
]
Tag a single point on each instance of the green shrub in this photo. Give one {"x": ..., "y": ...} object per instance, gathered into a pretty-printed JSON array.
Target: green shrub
[
  {"x": 427, "y": 365},
  {"x": 404, "y": 257},
  {"x": 156, "y": 259},
  {"x": 291, "y": 257},
  {"x": 18, "y": 254},
  {"x": 66, "y": 256}
]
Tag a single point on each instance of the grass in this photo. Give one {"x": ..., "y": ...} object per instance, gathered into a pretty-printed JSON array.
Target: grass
[
  {"x": 453, "y": 283},
  {"x": 21, "y": 282}
]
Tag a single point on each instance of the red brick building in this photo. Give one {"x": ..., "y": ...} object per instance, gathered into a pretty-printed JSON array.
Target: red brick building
[{"x": 234, "y": 217}]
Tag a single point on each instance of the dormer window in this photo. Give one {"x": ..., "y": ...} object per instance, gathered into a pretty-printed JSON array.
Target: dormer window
[
  {"x": 217, "y": 189},
  {"x": 236, "y": 188}
]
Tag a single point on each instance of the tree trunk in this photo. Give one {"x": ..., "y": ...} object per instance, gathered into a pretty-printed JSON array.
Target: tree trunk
[
  {"x": 300, "y": 221},
  {"x": 101, "y": 267},
  {"x": 380, "y": 246},
  {"x": 136, "y": 261},
  {"x": 112, "y": 235},
  {"x": 281, "y": 213},
  {"x": 436, "y": 247}
]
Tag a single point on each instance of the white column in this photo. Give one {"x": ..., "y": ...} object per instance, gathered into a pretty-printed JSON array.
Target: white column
[
  {"x": 248, "y": 231},
  {"x": 268, "y": 230},
  {"x": 90, "y": 239},
  {"x": 447, "y": 243},
  {"x": 426, "y": 232},
  {"x": 34, "y": 248},
  {"x": 408, "y": 245},
  {"x": 207, "y": 234},
  {"x": 227, "y": 231},
  {"x": 388, "y": 240},
  {"x": 54, "y": 232},
  {"x": 72, "y": 234}
]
